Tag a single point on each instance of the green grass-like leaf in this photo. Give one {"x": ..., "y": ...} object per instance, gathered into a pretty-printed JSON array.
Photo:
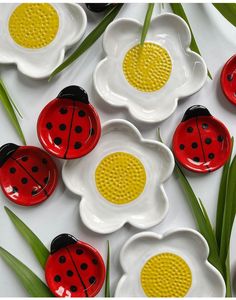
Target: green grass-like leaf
[
  {"x": 146, "y": 23},
  {"x": 178, "y": 9},
  {"x": 89, "y": 40},
  {"x": 38, "y": 248},
  {"x": 32, "y": 283},
  {"x": 7, "y": 103},
  {"x": 228, "y": 10},
  {"x": 107, "y": 283}
]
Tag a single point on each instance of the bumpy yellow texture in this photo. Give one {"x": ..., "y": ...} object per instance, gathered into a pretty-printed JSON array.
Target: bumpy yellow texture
[
  {"x": 120, "y": 177},
  {"x": 147, "y": 67},
  {"x": 166, "y": 275},
  {"x": 34, "y": 25}
]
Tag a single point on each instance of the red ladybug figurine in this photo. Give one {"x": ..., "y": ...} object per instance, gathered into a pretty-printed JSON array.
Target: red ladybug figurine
[
  {"x": 28, "y": 175},
  {"x": 201, "y": 143},
  {"x": 228, "y": 79},
  {"x": 74, "y": 268},
  {"x": 69, "y": 126}
]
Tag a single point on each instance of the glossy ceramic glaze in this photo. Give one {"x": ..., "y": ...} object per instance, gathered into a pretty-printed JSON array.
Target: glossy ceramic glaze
[
  {"x": 74, "y": 268},
  {"x": 201, "y": 143},
  {"x": 39, "y": 63},
  {"x": 28, "y": 175},
  {"x": 187, "y": 76},
  {"x": 69, "y": 126},
  {"x": 228, "y": 79},
  {"x": 151, "y": 205},
  {"x": 206, "y": 280}
]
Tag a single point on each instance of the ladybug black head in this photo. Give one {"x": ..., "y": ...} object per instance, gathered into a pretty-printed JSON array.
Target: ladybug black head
[
  {"x": 6, "y": 151},
  {"x": 62, "y": 241},
  {"x": 97, "y": 7},
  {"x": 195, "y": 111},
  {"x": 74, "y": 92}
]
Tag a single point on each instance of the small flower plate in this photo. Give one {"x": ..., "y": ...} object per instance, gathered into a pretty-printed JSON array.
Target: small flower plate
[
  {"x": 228, "y": 79},
  {"x": 201, "y": 143},
  {"x": 170, "y": 265},
  {"x": 121, "y": 180},
  {"x": 35, "y": 36},
  {"x": 74, "y": 268},
  {"x": 28, "y": 175},
  {"x": 149, "y": 80},
  {"x": 69, "y": 126}
]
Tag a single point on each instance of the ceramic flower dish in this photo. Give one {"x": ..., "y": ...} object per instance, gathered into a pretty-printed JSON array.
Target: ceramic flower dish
[
  {"x": 228, "y": 79},
  {"x": 201, "y": 143},
  {"x": 74, "y": 268},
  {"x": 170, "y": 265},
  {"x": 35, "y": 36},
  {"x": 69, "y": 126},
  {"x": 149, "y": 81},
  {"x": 121, "y": 180},
  {"x": 28, "y": 175}
]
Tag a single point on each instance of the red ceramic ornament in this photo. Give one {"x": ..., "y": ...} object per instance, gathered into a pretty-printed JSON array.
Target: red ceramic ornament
[
  {"x": 228, "y": 79},
  {"x": 74, "y": 268},
  {"x": 69, "y": 126},
  {"x": 28, "y": 175},
  {"x": 201, "y": 143}
]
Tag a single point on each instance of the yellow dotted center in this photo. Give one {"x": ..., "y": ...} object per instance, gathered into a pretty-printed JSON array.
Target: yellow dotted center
[
  {"x": 166, "y": 275},
  {"x": 34, "y": 25},
  {"x": 120, "y": 177},
  {"x": 147, "y": 67}
]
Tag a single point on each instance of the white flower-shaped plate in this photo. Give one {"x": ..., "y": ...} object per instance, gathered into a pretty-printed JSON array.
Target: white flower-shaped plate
[
  {"x": 40, "y": 62},
  {"x": 187, "y": 76},
  {"x": 185, "y": 243},
  {"x": 148, "y": 208}
]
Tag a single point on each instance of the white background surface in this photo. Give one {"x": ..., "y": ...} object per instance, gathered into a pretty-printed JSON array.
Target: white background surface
[{"x": 60, "y": 213}]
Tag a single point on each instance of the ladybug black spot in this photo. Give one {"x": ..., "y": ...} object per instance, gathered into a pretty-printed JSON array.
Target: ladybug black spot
[
  {"x": 62, "y": 259},
  {"x": 62, "y": 127},
  {"x": 35, "y": 169},
  {"x": 69, "y": 273},
  {"x": 44, "y": 161},
  {"x": 24, "y": 180},
  {"x": 14, "y": 189},
  {"x": 57, "y": 278},
  {"x": 220, "y": 138},
  {"x": 196, "y": 159},
  {"x": 79, "y": 251},
  {"x": 92, "y": 131},
  {"x": 95, "y": 261},
  {"x": 77, "y": 145},
  {"x": 45, "y": 180},
  {"x": 12, "y": 170},
  {"x": 194, "y": 145},
  {"x": 92, "y": 280},
  {"x": 78, "y": 129},
  {"x": 49, "y": 125},
  {"x": 63, "y": 111},
  {"x": 204, "y": 125},
  {"x": 230, "y": 77},
  {"x": 34, "y": 191},
  {"x": 57, "y": 141},
  {"x": 181, "y": 147},
  {"x": 211, "y": 155},
  {"x": 24, "y": 158},
  {"x": 81, "y": 113},
  {"x": 208, "y": 141},
  {"x": 83, "y": 266},
  {"x": 73, "y": 288},
  {"x": 190, "y": 129}
]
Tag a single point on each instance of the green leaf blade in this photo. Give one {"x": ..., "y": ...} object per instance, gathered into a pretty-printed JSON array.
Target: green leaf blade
[
  {"x": 7, "y": 103},
  {"x": 89, "y": 40},
  {"x": 38, "y": 248},
  {"x": 146, "y": 22},
  {"x": 107, "y": 283},
  {"x": 32, "y": 283},
  {"x": 228, "y": 10}
]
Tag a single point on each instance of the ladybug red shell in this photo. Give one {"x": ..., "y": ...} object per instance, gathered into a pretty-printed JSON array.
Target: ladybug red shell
[
  {"x": 201, "y": 143},
  {"x": 74, "y": 268},
  {"x": 69, "y": 126},
  {"x": 28, "y": 175},
  {"x": 228, "y": 79}
]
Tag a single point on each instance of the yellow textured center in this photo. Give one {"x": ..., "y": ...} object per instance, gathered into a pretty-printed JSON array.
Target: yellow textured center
[
  {"x": 120, "y": 177},
  {"x": 147, "y": 67},
  {"x": 166, "y": 275},
  {"x": 34, "y": 25}
]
